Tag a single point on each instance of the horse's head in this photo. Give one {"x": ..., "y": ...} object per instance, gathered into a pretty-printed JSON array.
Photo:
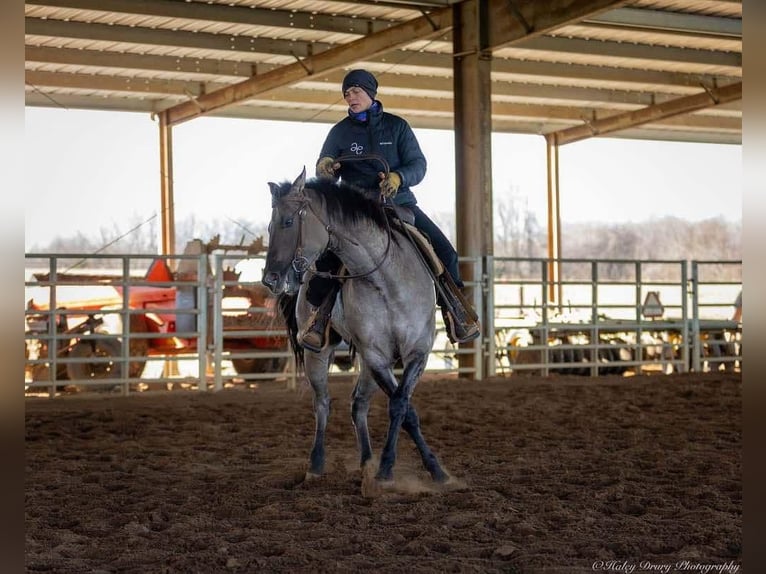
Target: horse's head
[{"x": 296, "y": 236}]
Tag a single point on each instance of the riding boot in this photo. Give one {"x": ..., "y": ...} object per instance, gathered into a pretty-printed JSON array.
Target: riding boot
[
  {"x": 460, "y": 319},
  {"x": 314, "y": 334}
]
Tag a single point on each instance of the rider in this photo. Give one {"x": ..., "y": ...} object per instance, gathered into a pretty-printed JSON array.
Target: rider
[{"x": 367, "y": 129}]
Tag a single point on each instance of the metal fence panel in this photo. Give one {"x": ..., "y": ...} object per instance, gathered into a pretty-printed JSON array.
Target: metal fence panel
[{"x": 129, "y": 322}]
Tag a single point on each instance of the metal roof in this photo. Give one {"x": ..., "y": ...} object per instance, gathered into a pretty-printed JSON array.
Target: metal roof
[{"x": 634, "y": 57}]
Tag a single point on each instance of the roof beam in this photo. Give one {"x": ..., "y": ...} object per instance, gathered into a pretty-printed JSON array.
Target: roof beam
[
  {"x": 170, "y": 38},
  {"x": 103, "y": 82},
  {"x": 604, "y": 74},
  {"x": 220, "y": 13},
  {"x": 144, "y": 62},
  {"x": 629, "y": 17},
  {"x": 250, "y": 44},
  {"x": 710, "y": 97},
  {"x": 608, "y": 49},
  {"x": 574, "y": 92},
  {"x": 532, "y": 18},
  {"x": 404, "y": 4},
  {"x": 408, "y": 3},
  {"x": 680, "y": 136},
  {"x": 510, "y": 22},
  {"x": 266, "y": 110},
  {"x": 395, "y": 84},
  {"x": 214, "y": 70},
  {"x": 323, "y": 99},
  {"x": 530, "y": 71},
  {"x": 661, "y": 20},
  {"x": 437, "y": 22},
  {"x": 326, "y": 93}
]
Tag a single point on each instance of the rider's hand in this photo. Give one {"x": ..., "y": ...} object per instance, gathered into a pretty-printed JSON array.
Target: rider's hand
[
  {"x": 326, "y": 167},
  {"x": 389, "y": 184}
]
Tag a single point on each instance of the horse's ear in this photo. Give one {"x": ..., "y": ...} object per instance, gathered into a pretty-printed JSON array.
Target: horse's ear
[
  {"x": 274, "y": 188},
  {"x": 300, "y": 182}
]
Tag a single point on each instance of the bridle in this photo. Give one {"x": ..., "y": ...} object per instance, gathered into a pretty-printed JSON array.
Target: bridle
[{"x": 300, "y": 263}]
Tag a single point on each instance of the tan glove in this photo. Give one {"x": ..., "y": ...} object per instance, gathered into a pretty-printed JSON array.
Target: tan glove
[
  {"x": 326, "y": 167},
  {"x": 389, "y": 184}
]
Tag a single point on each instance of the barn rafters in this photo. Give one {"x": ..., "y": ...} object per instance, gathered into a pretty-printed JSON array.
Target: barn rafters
[{"x": 594, "y": 58}]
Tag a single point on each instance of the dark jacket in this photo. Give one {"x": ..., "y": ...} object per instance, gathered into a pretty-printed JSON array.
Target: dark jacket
[{"x": 384, "y": 134}]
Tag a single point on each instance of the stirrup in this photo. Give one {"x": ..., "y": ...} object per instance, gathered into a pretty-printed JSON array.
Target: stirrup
[
  {"x": 460, "y": 331},
  {"x": 314, "y": 335},
  {"x": 460, "y": 319}
]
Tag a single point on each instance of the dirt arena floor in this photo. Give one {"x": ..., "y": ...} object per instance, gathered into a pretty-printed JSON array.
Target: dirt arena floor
[{"x": 563, "y": 474}]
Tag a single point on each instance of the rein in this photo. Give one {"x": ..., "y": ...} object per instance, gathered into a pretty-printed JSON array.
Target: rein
[
  {"x": 329, "y": 275},
  {"x": 366, "y": 157},
  {"x": 300, "y": 263}
]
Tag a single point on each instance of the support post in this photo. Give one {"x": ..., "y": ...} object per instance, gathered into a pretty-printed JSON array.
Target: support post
[
  {"x": 473, "y": 143},
  {"x": 167, "y": 206},
  {"x": 554, "y": 222}
]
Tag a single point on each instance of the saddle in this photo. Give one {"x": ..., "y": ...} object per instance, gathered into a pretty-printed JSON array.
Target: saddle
[
  {"x": 404, "y": 220},
  {"x": 457, "y": 309}
]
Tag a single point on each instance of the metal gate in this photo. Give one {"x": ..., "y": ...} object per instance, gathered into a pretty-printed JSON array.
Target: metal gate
[{"x": 114, "y": 325}]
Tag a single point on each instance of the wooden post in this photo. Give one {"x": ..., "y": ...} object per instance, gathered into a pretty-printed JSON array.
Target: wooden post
[
  {"x": 167, "y": 219},
  {"x": 554, "y": 221},
  {"x": 473, "y": 142}
]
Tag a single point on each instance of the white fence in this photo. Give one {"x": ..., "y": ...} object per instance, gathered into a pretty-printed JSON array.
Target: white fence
[
  {"x": 105, "y": 322},
  {"x": 614, "y": 316}
]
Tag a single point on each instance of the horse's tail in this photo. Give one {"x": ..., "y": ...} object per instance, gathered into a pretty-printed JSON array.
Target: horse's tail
[{"x": 287, "y": 305}]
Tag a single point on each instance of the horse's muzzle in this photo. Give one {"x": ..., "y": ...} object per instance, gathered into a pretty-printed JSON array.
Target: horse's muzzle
[
  {"x": 272, "y": 281},
  {"x": 278, "y": 283}
]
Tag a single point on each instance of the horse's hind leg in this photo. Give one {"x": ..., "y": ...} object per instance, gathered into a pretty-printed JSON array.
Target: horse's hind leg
[
  {"x": 316, "y": 366},
  {"x": 360, "y": 406}
]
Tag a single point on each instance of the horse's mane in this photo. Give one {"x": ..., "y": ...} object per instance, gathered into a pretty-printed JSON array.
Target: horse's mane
[{"x": 349, "y": 203}]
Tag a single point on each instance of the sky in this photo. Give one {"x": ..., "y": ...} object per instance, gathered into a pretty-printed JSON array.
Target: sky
[{"x": 89, "y": 170}]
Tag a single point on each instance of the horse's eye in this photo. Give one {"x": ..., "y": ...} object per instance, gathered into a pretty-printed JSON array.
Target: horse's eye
[{"x": 287, "y": 222}]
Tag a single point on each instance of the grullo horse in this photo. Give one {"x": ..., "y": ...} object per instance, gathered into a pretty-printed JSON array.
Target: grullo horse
[{"x": 385, "y": 308}]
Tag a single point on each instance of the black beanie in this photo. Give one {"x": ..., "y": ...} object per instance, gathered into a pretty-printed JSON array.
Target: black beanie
[{"x": 362, "y": 79}]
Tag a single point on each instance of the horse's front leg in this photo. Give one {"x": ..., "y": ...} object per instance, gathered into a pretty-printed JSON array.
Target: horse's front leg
[
  {"x": 411, "y": 425},
  {"x": 397, "y": 409},
  {"x": 316, "y": 366},
  {"x": 403, "y": 415},
  {"x": 360, "y": 405}
]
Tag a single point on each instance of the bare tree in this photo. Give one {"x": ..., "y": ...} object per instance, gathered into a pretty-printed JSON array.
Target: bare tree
[
  {"x": 517, "y": 234},
  {"x": 668, "y": 238}
]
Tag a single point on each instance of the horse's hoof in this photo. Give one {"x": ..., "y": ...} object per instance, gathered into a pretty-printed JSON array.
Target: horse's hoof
[
  {"x": 384, "y": 474},
  {"x": 451, "y": 483},
  {"x": 371, "y": 486},
  {"x": 312, "y": 475},
  {"x": 441, "y": 477}
]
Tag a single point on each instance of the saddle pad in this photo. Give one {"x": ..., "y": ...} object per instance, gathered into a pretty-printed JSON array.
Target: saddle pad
[{"x": 424, "y": 245}]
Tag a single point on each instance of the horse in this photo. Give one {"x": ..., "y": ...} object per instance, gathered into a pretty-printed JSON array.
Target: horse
[{"x": 385, "y": 308}]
